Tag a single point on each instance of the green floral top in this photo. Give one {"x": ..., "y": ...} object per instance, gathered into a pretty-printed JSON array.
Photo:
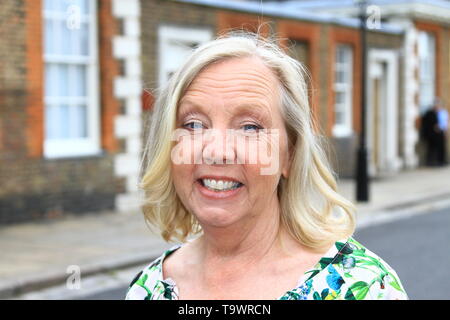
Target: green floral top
[{"x": 347, "y": 271}]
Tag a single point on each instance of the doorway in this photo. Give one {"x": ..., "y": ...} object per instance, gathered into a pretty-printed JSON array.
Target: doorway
[{"x": 382, "y": 114}]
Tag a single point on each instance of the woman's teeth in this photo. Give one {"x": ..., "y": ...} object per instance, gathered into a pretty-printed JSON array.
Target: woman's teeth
[{"x": 220, "y": 185}]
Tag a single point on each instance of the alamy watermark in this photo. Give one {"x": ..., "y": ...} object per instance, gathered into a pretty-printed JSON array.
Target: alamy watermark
[
  {"x": 73, "y": 281},
  {"x": 373, "y": 20},
  {"x": 73, "y": 18},
  {"x": 213, "y": 146}
]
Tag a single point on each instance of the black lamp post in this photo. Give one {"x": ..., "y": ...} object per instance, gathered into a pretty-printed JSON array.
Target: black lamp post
[{"x": 362, "y": 176}]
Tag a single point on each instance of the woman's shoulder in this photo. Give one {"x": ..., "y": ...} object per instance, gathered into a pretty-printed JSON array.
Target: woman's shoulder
[
  {"x": 149, "y": 283},
  {"x": 354, "y": 272}
]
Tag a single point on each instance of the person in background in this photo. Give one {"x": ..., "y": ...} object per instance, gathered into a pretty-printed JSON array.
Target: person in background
[
  {"x": 430, "y": 133},
  {"x": 442, "y": 118}
]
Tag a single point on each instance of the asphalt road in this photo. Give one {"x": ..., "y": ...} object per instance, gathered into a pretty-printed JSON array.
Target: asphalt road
[{"x": 418, "y": 248}]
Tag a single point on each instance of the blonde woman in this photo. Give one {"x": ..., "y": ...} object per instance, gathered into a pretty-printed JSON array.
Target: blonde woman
[{"x": 233, "y": 164}]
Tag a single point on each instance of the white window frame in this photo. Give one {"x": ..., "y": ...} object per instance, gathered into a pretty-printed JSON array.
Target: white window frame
[
  {"x": 170, "y": 36},
  {"x": 346, "y": 88},
  {"x": 427, "y": 69},
  {"x": 78, "y": 147}
]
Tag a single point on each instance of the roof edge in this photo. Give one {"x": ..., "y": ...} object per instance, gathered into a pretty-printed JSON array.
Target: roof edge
[{"x": 280, "y": 12}]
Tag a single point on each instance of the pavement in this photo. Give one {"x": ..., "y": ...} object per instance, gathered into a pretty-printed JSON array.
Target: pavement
[{"x": 40, "y": 255}]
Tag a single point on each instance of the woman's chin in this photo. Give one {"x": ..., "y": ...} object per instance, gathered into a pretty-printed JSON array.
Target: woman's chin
[
  {"x": 217, "y": 209},
  {"x": 217, "y": 217}
]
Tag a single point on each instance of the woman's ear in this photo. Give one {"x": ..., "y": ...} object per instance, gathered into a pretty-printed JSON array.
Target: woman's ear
[
  {"x": 285, "y": 171},
  {"x": 287, "y": 165},
  {"x": 291, "y": 152}
]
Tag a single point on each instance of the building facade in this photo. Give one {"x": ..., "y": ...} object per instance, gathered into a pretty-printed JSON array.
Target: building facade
[
  {"x": 77, "y": 77},
  {"x": 70, "y": 107},
  {"x": 329, "y": 48},
  {"x": 425, "y": 55}
]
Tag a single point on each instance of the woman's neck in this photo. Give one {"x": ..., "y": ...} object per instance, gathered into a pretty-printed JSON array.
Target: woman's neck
[{"x": 249, "y": 241}]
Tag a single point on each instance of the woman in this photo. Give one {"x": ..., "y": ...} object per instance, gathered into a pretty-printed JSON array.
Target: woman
[{"x": 272, "y": 229}]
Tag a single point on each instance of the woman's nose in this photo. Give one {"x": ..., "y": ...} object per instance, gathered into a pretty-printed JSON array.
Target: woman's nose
[{"x": 219, "y": 147}]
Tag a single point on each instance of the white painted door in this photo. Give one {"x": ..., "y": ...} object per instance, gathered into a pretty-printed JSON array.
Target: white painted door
[{"x": 382, "y": 114}]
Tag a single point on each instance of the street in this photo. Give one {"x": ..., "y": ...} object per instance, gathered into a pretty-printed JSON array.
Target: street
[{"x": 417, "y": 248}]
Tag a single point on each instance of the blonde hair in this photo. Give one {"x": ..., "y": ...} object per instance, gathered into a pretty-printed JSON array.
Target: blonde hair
[{"x": 311, "y": 209}]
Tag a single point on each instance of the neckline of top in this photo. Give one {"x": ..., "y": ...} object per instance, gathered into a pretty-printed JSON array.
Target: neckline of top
[{"x": 330, "y": 254}]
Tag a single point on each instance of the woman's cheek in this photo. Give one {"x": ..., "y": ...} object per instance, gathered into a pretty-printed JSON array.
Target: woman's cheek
[
  {"x": 261, "y": 151},
  {"x": 269, "y": 152},
  {"x": 187, "y": 150}
]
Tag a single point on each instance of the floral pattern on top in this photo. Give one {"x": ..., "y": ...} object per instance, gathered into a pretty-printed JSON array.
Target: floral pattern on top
[{"x": 348, "y": 271}]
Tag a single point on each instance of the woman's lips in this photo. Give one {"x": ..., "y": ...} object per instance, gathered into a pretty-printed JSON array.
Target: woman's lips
[{"x": 223, "y": 194}]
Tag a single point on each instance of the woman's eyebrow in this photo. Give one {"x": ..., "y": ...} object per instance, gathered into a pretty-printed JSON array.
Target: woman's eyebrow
[
  {"x": 187, "y": 105},
  {"x": 254, "y": 110}
]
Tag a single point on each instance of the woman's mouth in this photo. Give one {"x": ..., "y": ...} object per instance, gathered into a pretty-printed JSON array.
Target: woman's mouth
[
  {"x": 220, "y": 185},
  {"x": 217, "y": 188}
]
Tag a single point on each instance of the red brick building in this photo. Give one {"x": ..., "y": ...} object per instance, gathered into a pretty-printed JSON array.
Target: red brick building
[
  {"x": 72, "y": 74},
  {"x": 64, "y": 102}
]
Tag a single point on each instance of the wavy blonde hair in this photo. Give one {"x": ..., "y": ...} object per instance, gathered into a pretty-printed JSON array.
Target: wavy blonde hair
[{"x": 311, "y": 209}]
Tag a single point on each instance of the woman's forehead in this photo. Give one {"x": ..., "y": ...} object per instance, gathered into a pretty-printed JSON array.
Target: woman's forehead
[{"x": 234, "y": 79}]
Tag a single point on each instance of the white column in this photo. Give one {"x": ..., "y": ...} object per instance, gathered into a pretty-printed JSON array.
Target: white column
[
  {"x": 128, "y": 87},
  {"x": 409, "y": 132},
  {"x": 411, "y": 113}
]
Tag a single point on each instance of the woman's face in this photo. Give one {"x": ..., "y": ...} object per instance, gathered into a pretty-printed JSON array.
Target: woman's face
[{"x": 229, "y": 176}]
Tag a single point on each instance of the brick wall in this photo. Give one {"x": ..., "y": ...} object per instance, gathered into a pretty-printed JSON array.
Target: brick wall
[
  {"x": 309, "y": 33},
  {"x": 12, "y": 77},
  {"x": 109, "y": 69},
  {"x": 34, "y": 78},
  {"x": 31, "y": 186}
]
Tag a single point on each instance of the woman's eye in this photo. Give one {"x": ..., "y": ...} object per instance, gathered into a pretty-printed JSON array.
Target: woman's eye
[
  {"x": 251, "y": 127},
  {"x": 193, "y": 125}
]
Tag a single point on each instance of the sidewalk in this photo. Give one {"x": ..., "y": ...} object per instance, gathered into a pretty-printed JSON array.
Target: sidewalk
[{"x": 36, "y": 255}]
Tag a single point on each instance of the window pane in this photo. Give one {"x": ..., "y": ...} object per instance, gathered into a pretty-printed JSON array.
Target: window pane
[
  {"x": 66, "y": 121},
  {"x": 340, "y": 76},
  {"x": 54, "y": 5},
  {"x": 343, "y": 82},
  {"x": 64, "y": 80},
  {"x": 426, "y": 44},
  {"x": 80, "y": 40},
  {"x": 341, "y": 54},
  {"x": 83, "y": 125},
  {"x": 78, "y": 121},
  {"x": 63, "y": 122},
  {"x": 427, "y": 51},
  {"x": 57, "y": 120},
  {"x": 340, "y": 97},
  {"x": 48, "y": 4},
  {"x": 49, "y": 46},
  {"x": 83, "y": 5},
  {"x": 339, "y": 118},
  {"x": 66, "y": 38},
  {"x": 51, "y": 80},
  {"x": 51, "y": 121},
  {"x": 79, "y": 81},
  {"x": 84, "y": 39}
]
